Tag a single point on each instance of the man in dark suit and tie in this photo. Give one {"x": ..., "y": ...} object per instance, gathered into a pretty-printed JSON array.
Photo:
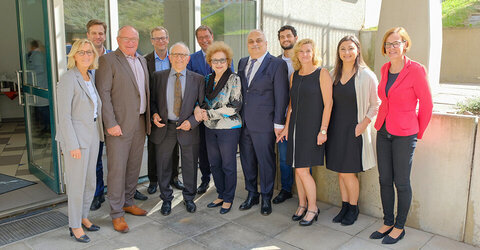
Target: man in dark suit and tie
[
  {"x": 175, "y": 94},
  {"x": 265, "y": 98},
  {"x": 198, "y": 64},
  {"x": 122, "y": 83},
  {"x": 158, "y": 61}
]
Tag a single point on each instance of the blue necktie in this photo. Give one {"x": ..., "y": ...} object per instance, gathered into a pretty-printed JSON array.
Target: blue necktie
[{"x": 252, "y": 62}]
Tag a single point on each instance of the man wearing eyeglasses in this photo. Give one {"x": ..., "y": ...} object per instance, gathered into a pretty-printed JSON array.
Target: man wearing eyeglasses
[
  {"x": 199, "y": 65},
  {"x": 175, "y": 93},
  {"x": 158, "y": 61},
  {"x": 123, "y": 85}
]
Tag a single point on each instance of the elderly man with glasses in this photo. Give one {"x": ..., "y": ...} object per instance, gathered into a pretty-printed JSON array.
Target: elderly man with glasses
[{"x": 175, "y": 94}]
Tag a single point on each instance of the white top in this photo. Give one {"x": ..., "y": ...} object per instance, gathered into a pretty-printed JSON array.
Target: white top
[{"x": 91, "y": 90}]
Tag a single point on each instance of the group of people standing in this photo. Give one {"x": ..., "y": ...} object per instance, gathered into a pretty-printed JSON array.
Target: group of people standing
[{"x": 197, "y": 103}]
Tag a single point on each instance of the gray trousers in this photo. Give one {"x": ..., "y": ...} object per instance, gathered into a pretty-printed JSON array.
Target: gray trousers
[
  {"x": 81, "y": 180},
  {"x": 124, "y": 154}
]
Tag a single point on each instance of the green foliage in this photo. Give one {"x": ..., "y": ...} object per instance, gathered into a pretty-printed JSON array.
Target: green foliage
[
  {"x": 78, "y": 13},
  {"x": 456, "y": 12},
  {"x": 141, "y": 14},
  {"x": 471, "y": 105}
]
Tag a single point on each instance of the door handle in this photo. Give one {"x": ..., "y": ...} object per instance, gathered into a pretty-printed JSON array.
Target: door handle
[{"x": 19, "y": 85}]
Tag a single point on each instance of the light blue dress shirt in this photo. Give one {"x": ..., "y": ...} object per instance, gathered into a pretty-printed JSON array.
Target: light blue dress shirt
[{"x": 161, "y": 64}]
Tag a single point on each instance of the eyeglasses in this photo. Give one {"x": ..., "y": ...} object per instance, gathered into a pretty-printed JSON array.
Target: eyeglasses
[
  {"x": 179, "y": 55},
  {"x": 157, "y": 39},
  {"x": 395, "y": 44},
  {"x": 129, "y": 39},
  {"x": 219, "y": 61},
  {"x": 83, "y": 52}
]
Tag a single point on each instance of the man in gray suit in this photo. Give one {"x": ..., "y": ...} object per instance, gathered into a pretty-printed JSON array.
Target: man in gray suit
[
  {"x": 122, "y": 83},
  {"x": 175, "y": 93}
]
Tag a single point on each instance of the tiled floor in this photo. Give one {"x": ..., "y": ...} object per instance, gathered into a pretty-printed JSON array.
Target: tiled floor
[
  {"x": 13, "y": 162},
  {"x": 207, "y": 229}
]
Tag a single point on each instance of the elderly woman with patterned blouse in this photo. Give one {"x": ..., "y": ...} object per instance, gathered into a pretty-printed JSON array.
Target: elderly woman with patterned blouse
[{"x": 221, "y": 116}]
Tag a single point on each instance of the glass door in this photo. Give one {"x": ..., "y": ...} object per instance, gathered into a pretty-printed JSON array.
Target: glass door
[{"x": 36, "y": 90}]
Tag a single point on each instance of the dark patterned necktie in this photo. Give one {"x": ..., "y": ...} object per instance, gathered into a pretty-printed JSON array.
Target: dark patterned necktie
[
  {"x": 252, "y": 62},
  {"x": 177, "y": 100}
]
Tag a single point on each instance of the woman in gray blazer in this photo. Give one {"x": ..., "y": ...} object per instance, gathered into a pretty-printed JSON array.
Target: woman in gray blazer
[{"x": 79, "y": 131}]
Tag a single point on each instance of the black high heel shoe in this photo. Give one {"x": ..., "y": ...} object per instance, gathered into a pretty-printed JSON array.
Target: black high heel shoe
[
  {"x": 296, "y": 217},
  {"x": 84, "y": 238},
  {"x": 304, "y": 222},
  {"x": 92, "y": 228}
]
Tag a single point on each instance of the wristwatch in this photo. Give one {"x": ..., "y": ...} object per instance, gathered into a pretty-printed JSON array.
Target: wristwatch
[{"x": 323, "y": 131}]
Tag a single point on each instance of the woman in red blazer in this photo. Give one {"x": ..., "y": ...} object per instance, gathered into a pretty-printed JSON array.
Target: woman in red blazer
[{"x": 403, "y": 85}]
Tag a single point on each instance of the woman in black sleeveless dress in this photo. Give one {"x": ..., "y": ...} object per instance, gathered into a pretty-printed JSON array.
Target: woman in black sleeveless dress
[
  {"x": 306, "y": 126},
  {"x": 355, "y": 104}
]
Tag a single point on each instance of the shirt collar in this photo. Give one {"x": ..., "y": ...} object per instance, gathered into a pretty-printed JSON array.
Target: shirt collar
[
  {"x": 157, "y": 57},
  {"x": 260, "y": 59},
  {"x": 286, "y": 58},
  {"x": 203, "y": 53},
  {"x": 130, "y": 57},
  {"x": 173, "y": 72}
]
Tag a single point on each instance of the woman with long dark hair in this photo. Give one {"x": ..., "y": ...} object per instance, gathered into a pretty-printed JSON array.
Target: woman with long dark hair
[{"x": 355, "y": 104}]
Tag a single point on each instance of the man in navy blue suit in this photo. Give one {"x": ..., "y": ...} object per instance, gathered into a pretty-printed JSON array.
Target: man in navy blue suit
[
  {"x": 265, "y": 98},
  {"x": 198, "y": 64}
]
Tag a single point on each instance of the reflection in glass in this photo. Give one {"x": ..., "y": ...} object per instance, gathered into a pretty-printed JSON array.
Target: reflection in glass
[
  {"x": 36, "y": 73},
  {"x": 230, "y": 22},
  {"x": 78, "y": 13},
  {"x": 39, "y": 135}
]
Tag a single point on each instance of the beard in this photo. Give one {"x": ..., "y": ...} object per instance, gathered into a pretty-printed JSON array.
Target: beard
[{"x": 288, "y": 47}]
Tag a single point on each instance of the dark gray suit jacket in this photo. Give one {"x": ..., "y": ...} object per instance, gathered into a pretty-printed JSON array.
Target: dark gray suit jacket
[
  {"x": 118, "y": 90},
  {"x": 194, "y": 94}
]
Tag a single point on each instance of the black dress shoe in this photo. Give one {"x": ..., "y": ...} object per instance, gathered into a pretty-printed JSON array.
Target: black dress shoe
[
  {"x": 152, "y": 188},
  {"x": 282, "y": 196},
  {"x": 177, "y": 184},
  {"x": 166, "y": 208},
  {"x": 304, "y": 222},
  {"x": 225, "y": 210},
  {"x": 351, "y": 215},
  {"x": 84, "y": 238},
  {"x": 390, "y": 240},
  {"x": 377, "y": 235},
  {"x": 213, "y": 204},
  {"x": 296, "y": 217},
  {"x": 102, "y": 198},
  {"x": 140, "y": 196},
  {"x": 92, "y": 228},
  {"x": 252, "y": 199},
  {"x": 96, "y": 204},
  {"x": 266, "y": 207},
  {"x": 341, "y": 214},
  {"x": 190, "y": 205},
  {"x": 202, "y": 188}
]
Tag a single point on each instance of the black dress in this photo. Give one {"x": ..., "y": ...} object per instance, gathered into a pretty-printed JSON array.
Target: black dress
[
  {"x": 305, "y": 121},
  {"x": 343, "y": 149}
]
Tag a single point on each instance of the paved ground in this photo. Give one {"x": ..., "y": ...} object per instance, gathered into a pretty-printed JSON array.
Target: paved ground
[{"x": 207, "y": 229}]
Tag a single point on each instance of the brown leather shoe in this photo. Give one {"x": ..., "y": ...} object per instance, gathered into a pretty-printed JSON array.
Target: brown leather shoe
[
  {"x": 135, "y": 210},
  {"x": 120, "y": 225}
]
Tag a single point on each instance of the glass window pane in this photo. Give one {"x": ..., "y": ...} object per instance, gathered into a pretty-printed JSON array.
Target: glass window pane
[
  {"x": 78, "y": 13},
  {"x": 230, "y": 21}
]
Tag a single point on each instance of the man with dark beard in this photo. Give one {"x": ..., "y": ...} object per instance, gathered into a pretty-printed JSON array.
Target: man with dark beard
[{"x": 287, "y": 36}]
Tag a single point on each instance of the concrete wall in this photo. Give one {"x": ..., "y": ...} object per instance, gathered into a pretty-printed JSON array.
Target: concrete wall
[
  {"x": 440, "y": 180},
  {"x": 460, "y": 53},
  {"x": 326, "y": 22}
]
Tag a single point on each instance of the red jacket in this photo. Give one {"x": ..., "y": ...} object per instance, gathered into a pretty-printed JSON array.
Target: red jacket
[{"x": 399, "y": 109}]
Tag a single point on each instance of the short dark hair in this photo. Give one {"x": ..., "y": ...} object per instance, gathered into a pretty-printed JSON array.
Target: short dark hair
[
  {"x": 203, "y": 27},
  {"x": 96, "y": 22},
  {"x": 287, "y": 27}
]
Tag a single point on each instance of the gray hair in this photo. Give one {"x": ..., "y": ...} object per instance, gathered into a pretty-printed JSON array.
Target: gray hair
[
  {"x": 181, "y": 44},
  {"x": 258, "y": 31}
]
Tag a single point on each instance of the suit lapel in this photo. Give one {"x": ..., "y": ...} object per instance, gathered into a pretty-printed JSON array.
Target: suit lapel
[
  {"x": 403, "y": 73},
  {"x": 151, "y": 63},
  {"x": 147, "y": 77},
  {"x": 126, "y": 66},
  {"x": 188, "y": 90},
  {"x": 241, "y": 71},
  {"x": 263, "y": 66},
  {"x": 82, "y": 83}
]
